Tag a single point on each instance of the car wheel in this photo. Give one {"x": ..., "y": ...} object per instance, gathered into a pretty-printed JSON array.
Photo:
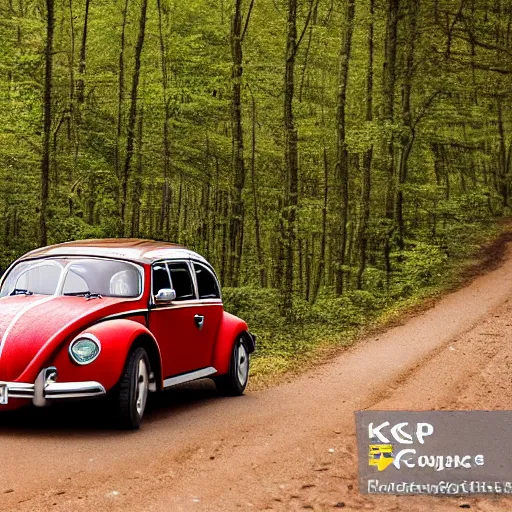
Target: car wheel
[
  {"x": 133, "y": 390},
  {"x": 235, "y": 382}
]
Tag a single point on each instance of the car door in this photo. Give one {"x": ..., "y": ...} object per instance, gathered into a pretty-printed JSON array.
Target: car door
[
  {"x": 173, "y": 323},
  {"x": 209, "y": 309}
]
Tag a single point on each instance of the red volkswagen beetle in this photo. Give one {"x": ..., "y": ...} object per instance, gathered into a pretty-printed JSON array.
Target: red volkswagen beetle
[{"x": 115, "y": 317}]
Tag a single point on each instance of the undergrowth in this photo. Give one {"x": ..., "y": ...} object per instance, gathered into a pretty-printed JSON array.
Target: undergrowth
[{"x": 423, "y": 271}]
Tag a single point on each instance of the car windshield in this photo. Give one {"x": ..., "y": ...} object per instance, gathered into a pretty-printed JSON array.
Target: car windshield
[{"x": 73, "y": 276}]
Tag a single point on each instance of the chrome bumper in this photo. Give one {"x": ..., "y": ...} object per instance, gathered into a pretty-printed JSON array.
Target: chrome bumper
[{"x": 47, "y": 388}]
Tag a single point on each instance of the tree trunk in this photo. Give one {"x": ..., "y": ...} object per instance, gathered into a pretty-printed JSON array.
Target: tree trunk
[
  {"x": 47, "y": 121},
  {"x": 80, "y": 86},
  {"x": 321, "y": 261},
  {"x": 502, "y": 155},
  {"x": 257, "y": 230},
  {"x": 342, "y": 164},
  {"x": 289, "y": 211},
  {"x": 407, "y": 139},
  {"x": 291, "y": 190},
  {"x": 367, "y": 160},
  {"x": 120, "y": 98},
  {"x": 130, "y": 132},
  {"x": 308, "y": 48},
  {"x": 138, "y": 182},
  {"x": 165, "y": 207},
  {"x": 388, "y": 90},
  {"x": 70, "y": 120},
  {"x": 177, "y": 233},
  {"x": 224, "y": 236},
  {"x": 237, "y": 151}
]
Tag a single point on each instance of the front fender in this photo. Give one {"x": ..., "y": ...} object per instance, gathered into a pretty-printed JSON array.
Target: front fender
[
  {"x": 230, "y": 329},
  {"x": 116, "y": 338}
]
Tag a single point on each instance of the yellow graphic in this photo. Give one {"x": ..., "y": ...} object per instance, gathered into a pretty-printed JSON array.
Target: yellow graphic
[{"x": 380, "y": 455}]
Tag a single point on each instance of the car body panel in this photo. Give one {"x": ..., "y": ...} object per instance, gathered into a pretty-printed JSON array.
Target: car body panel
[
  {"x": 231, "y": 327},
  {"x": 117, "y": 336},
  {"x": 185, "y": 347},
  {"x": 41, "y": 324},
  {"x": 213, "y": 313}
]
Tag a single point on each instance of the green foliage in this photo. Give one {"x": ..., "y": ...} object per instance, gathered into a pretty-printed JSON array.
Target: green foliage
[
  {"x": 439, "y": 176},
  {"x": 255, "y": 305},
  {"x": 419, "y": 267}
]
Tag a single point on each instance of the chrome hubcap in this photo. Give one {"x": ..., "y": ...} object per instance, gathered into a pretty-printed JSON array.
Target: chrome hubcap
[
  {"x": 242, "y": 362},
  {"x": 142, "y": 386}
]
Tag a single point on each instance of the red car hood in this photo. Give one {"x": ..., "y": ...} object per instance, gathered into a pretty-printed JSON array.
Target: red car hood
[{"x": 29, "y": 323}]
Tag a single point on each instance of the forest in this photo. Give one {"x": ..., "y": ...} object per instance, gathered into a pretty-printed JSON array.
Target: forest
[{"x": 329, "y": 157}]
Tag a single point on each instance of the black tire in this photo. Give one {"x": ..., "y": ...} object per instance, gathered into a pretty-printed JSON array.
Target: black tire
[
  {"x": 130, "y": 404},
  {"x": 233, "y": 384}
]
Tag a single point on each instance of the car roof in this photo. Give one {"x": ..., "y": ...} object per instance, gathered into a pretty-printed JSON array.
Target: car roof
[{"x": 132, "y": 249}]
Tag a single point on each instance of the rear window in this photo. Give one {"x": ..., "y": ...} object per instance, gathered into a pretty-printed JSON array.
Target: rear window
[{"x": 206, "y": 283}]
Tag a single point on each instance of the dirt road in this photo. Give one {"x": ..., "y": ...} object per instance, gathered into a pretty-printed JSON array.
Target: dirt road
[{"x": 291, "y": 447}]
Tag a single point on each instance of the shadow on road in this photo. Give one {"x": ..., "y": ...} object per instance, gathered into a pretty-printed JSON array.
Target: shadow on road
[{"x": 95, "y": 415}]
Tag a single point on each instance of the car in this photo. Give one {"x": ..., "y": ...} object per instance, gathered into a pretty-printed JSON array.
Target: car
[{"x": 115, "y": 318}]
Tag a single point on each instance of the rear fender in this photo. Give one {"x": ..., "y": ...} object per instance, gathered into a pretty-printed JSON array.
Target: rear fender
[
  {"x": 231, "y": 328},
  {"x": 117, "y": 338}
]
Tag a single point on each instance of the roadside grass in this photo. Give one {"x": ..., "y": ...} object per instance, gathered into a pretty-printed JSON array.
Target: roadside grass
[{"x": 317, "y": 332}]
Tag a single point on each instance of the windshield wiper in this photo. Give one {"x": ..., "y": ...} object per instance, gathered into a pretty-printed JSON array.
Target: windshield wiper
[
  {"x": 21, "y": 291},
  {"x": 90, "y": 295},
  {"x": 87, "y": 295}
]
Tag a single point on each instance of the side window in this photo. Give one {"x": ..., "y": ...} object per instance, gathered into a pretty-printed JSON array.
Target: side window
[
  {"x": 160, "y": 278},
  {"x": 181, "y": 281},
  {"x": 206, "y": 283}
]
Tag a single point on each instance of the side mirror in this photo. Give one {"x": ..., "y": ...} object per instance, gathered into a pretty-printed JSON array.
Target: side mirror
[{"x": 165, "y": 295}]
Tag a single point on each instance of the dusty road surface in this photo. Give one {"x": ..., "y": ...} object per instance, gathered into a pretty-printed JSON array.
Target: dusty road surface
[{"x": 291, "y": 447}]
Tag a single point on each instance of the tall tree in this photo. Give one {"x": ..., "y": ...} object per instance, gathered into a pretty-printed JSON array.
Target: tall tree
[
  {"x": 388, "y": 91},
  {"x": 367, "y": 158},
  {"x": 80, "y": 85},
  {"x": 291, "y": 157},
  {"x": 342, "y": 164},
  {"x": 257, "y": 226},
  {"x": 408, "y": 128},
  {"x": 72, "y": 84},
  {"x": 83, "y": 56},
  {"x": 323, "y": 241},
  {"x": 164, "y": 218},
  {"x": 132, "y": 117},
  {"x": 120, "y": 94},
  {"x": 237, "y": 151},
  {"x": 47, "y": 120}
]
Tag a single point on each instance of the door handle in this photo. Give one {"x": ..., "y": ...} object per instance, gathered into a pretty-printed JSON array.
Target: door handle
[{"x": 199, "y": 320}]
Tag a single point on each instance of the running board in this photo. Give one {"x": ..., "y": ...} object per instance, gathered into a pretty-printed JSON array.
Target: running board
[{"x": 187, "y": 377}]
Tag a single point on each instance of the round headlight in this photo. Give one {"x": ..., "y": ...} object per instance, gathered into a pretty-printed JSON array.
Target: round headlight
[{"x": 85, "y": 350}]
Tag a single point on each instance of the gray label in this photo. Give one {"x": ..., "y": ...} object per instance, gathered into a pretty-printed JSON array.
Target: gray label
[{"x": 435, "y": 452}]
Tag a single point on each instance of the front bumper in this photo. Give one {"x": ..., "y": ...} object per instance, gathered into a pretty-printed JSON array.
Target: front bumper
[{"x": 47, "y": 388}]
